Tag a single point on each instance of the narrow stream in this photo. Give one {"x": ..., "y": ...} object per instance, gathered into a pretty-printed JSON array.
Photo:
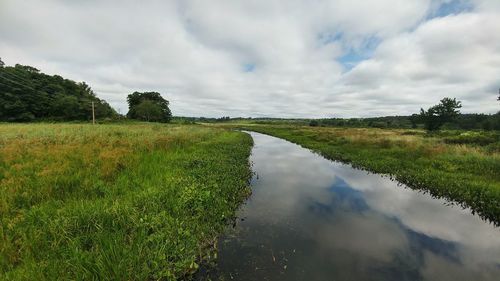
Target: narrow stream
[{"x": 313, "y": 219}]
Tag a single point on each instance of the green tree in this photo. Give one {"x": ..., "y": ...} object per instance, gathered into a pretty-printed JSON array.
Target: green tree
[
  {"x": 28, "y": 94},
  {"x": 137, "y": 98},
  {"x": 66, "y": 107},
  {"x": 149, "y": 111},
  {"x": 414, "y": 118},
  {"x": 437, "y": 115},
  {"x": 1, "y": 63}
]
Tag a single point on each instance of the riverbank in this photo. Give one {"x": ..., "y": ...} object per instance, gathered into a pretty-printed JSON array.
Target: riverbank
[
  {"x": 124, "y": 202},
  {"x": 460, "y": 166}
]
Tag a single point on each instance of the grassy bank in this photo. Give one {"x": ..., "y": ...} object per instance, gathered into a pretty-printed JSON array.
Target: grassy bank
[
  {"x": 461, "y": 166},
  {"x": 121, "y": 202}
]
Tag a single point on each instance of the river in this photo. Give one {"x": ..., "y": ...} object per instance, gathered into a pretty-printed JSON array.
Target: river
[{"x": 309, "y": 218}]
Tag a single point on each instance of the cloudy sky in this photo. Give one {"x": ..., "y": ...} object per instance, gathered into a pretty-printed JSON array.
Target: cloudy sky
[{"x": 290, "y": 58}]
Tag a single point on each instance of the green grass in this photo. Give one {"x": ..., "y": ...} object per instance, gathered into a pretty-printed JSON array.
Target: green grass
[
  {"x": 122, "y": 202},
  {"x": 461, "y": 166}
]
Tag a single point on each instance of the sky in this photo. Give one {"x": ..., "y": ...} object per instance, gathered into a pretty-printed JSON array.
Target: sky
[{"x": 266, "y": 58}]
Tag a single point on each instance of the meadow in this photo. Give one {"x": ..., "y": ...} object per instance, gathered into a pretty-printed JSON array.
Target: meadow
[
  {"x": 122, "y": 202},
  {"x": 462, "y": 166}
]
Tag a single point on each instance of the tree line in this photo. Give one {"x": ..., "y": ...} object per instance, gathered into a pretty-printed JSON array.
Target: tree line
[
  {"x": 446, "y": 114},
  {"x": 26, "y": 94}
]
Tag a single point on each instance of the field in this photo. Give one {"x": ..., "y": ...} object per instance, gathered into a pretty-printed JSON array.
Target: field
[
  {"x": 144, "y": 201},
  {"x": 458, "y": 165},
  {"x": 121, "y": 202}
]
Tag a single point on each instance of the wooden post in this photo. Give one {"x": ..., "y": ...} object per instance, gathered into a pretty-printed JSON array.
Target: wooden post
[{"x": 93, "y": 114}]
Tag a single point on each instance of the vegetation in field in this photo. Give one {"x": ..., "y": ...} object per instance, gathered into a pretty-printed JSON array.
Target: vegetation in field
[
  {"x": 461, "y": 121},
  {"x": 115, "y": 202},
  {"x": 445, "y": 115},
  {"x": 461, "y": 166},
  {"x": 148, "y": 106},
  {"x": 26, "y": 94},
  {"x": 438, "y": 115},
  {"x": 468, "y": 121}
]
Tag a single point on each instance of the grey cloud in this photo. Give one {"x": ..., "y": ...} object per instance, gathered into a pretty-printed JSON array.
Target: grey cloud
[{"x": 194, "y": 53}]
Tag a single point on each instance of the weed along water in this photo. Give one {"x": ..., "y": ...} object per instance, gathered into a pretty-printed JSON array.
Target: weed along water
[{"x": 313, "y": 219}]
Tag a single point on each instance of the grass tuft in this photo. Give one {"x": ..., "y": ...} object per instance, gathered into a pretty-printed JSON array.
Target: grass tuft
[{"x": 122, "y": 202}]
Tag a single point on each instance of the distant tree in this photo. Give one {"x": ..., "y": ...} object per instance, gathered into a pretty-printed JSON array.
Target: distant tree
[
  {"x": 437, "y": 115},
  {"x": 85, "y": 89},
  {"x": 28, "y": 68},
  {"x": 66, "y": 107},
  {"x": 223, "y": 119},
  {"x": 149, "y": 111},
  {"x": 414, "y": 118},
  {"x": 15, "y": 110},
  {"x": 135, "y": 99},
  {"x": 314, "y": 123},
  {"x": 1, "y": 63},
  {"x": 487, "y": 125},
  {"x": 27, "y": 94}
]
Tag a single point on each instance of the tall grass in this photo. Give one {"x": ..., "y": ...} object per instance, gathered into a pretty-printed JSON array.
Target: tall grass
[
  {"x": 121, "y": 202},
  {"x": 461, "y": 166}
]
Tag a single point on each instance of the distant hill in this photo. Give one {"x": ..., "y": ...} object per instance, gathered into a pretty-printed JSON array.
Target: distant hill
[{"x": 26, "y": 94}]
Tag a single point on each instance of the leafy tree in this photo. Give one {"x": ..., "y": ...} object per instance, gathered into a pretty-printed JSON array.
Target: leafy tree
[
  {"x": 137, "y": 98},
  {"x": 414, "y": 120},
  {"x": 437, "y": 115},
  {"x": 67, "y": 107},
  {"x": 1, "y": 63},
  {"x": 27, "y": 94},
  {"x": 223, "y": 119},
  {"x": 31, "y": 69},
  {"x": 149, "y": 111}
]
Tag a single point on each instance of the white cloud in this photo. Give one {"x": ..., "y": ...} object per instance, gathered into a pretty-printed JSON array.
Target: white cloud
[
  {"x": 457, "y": 56},
  {"x": 195, "y": 53}
]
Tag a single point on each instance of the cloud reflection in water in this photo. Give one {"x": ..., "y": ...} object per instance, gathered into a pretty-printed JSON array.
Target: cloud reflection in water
[{"x": 312, "y": 218}]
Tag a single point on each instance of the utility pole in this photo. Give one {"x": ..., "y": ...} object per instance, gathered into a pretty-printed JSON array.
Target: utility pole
[{"x": 93, "y": 114}]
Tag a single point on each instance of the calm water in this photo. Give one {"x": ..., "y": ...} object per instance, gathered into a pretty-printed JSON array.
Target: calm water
[{"x": 312, "y": 219}]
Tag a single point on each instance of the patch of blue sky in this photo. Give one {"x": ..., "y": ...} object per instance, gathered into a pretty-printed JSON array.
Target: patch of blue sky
[
  {"x": 327, "y": 38},
  {"x": 248, "y": 67},
  {"x": 451, "y": 8},
  {"x": 351, "y": 59},
  {"x": 353, "y": 56}
]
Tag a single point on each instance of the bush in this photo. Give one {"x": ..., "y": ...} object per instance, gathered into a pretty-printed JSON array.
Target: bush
[{"x": 473, "y": 138}]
